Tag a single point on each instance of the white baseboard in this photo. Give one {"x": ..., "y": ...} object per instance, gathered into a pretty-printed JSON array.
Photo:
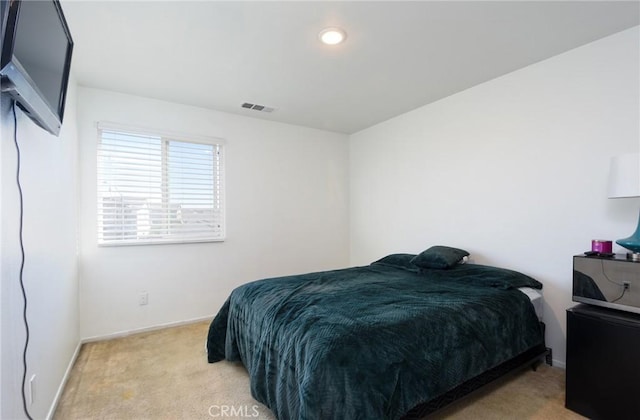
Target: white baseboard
[
  {"x": 146, "y": 329},
  {"x": 63, "y": 383},
  {"x": 559, "y": 364}
]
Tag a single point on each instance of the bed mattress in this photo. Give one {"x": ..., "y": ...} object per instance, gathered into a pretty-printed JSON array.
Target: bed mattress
[{"x": 536, "y": 299}]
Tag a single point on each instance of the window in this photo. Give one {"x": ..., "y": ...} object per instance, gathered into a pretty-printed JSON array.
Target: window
[{"x": 154, "y": 188}]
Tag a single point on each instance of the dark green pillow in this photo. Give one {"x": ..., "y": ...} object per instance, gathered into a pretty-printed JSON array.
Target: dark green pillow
[
  {"x": 398, "y": 261},
  {"x": 439, "y": 257}
]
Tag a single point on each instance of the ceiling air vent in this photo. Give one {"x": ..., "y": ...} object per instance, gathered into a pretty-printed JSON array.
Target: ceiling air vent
[{"x": 257, "y": 107}]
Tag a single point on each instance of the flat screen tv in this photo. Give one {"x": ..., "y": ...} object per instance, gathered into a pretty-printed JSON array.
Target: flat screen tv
[{"x": 36, "y": 59}]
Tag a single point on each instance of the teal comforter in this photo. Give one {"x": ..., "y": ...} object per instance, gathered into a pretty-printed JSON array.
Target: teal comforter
[{"x": 372, "y": 342}]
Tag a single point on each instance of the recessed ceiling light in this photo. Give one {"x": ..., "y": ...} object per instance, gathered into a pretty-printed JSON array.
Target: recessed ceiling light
[{"x": 332, "y": 36}]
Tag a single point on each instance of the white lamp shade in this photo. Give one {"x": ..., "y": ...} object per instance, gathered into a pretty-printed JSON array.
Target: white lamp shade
[{"x": 624, "y": 176}]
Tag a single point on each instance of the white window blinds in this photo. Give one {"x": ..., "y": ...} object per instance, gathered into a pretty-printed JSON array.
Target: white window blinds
[{"x": 154, "y": 188}]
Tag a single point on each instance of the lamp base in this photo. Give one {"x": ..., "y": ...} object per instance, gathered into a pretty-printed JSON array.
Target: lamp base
[
  {"x": 632, "y": 243},
  {"x": 633, "y": 256}
]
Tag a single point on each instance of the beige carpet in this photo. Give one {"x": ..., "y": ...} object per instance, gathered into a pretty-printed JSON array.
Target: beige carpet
[{"x": 165, "y": 375}]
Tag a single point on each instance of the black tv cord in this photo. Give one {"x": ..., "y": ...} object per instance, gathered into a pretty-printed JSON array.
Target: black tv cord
[{"x": 24, "y": 293}]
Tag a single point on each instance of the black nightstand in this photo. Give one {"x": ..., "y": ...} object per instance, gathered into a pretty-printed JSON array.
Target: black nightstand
[{"x": 603, "y": 363}]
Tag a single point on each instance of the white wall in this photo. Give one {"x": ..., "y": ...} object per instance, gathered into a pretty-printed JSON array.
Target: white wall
[
  {"x": 49, "y": 183},
  {"x": 286, "y": 192},
  {"x": 513, "y": 170}
]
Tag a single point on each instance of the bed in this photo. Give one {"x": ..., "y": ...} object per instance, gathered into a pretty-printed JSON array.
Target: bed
[{"x": 398, "y": 338}]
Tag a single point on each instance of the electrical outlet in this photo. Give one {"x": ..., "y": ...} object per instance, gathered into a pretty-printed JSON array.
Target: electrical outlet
[
  {"x": 626, "y": 285},
  {"x": 143, "y": 298},
  {"x": 32, "y": 389}
]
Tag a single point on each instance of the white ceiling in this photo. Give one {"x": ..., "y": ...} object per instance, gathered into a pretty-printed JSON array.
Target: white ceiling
[{"x": 398, "y": 55}]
